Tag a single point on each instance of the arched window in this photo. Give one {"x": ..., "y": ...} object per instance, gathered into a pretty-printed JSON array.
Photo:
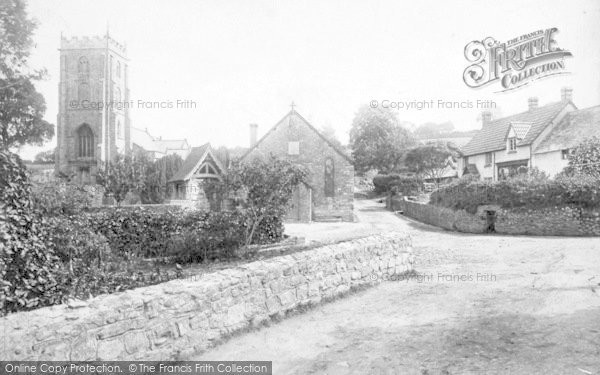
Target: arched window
[
  {"x": 85, "y": 141},
  {"x": 118, "y": 69},
  {"x": 84, "y": 65},
  {"x": 83, "y": 92}
]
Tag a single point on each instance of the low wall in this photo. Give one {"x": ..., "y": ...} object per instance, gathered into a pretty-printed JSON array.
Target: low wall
[
  {"x": 180, "y": 317},
  {"x": 555, "y": 221},
  {"x": 446, "y": 218}
]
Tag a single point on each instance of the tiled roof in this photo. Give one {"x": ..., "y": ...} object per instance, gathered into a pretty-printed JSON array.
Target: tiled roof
[
  {"x": 575, "y": 127},
  {"x": 149, "y": 143},
  {"x": 492, "y": 136},
  {"x": 295, "y": 117},
  {"x": 190, "y": 163}
]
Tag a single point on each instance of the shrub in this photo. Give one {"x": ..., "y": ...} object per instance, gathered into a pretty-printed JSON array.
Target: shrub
[
  {"x": 529, "y": 192},
  {"x": 27, "y": 265},
  {"x": 60, "y": 198},
  {"x": 397, "y": 184},
  {"x": 216, "y": 237}
]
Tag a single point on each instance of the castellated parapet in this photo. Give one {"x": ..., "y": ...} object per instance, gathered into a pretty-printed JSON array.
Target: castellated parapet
[{"x": 92, "y": 43}]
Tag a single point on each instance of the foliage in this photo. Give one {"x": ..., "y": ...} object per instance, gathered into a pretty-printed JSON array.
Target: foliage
[
  {"x": 528, "y": 192},
  {"x": 397, "y": 184},
  {"x": 124, "y": 174},
  {"x": 585, "y": 158},
  {"x": 267, "y": 185},
  {"x": 158, "y": 173},
  {"x": 60, "y": 198},
  {"x": 433, "y": 130},
  {"x": 27, "y": 265},
  {"x": 22, "y": 108},
  {"x": 378, "y": 141},
  {"x": 428, "y": 161},
  {"x": 45, "y": 157}
]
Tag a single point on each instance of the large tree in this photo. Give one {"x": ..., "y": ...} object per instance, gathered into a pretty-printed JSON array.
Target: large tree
[
  {"x": 22, "y": 108},
  {"x": 377, "y": 140},
  {"x": 429, "y": 161}
]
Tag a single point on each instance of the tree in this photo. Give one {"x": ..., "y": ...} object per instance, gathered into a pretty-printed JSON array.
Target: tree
[
  {"x": 126, "y": 173},
  {"x": 429, "y": 161},
  {"x": 329, "y": 133},
  {"x": 22, "y": 108},
  {"x": 433, "y": 130},
  {"x": 267, "y": 185},
  {"x": 377, "y": 140},
  {"x": 158, "y": 173},
  {"x": 585, "y": 158},
  {"x": 46, "y": 157}
]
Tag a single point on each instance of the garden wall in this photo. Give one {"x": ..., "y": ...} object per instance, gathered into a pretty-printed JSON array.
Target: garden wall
[
  {"x": 555, "y": 221},
  {"x": 184, "y": 316}
]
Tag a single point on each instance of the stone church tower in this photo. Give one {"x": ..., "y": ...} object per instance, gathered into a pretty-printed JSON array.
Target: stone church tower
[{"x": 93, "y": 116}]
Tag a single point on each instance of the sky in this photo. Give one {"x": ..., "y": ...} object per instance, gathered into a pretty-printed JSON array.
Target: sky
[{"x": 245, "y": 62}]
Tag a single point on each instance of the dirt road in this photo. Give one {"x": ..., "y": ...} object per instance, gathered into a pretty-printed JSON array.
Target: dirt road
[{"x": 482, "y": 304}]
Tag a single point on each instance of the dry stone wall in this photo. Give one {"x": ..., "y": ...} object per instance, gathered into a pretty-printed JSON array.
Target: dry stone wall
[{"x": 181, "y": 317}]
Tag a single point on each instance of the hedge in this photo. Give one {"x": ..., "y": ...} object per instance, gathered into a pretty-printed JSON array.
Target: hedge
[
  {"x": 468, "y": 194},
  {"x": 397, "y": 184}
]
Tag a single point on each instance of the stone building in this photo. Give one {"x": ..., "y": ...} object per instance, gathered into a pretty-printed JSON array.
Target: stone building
[
  {"x": 328, "y": 194},
  {"x": 93, "y": 118},
  {"x": 93, "y": 124}
]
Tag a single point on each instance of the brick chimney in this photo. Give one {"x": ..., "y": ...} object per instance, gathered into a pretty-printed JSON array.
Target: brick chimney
[
  {"x": 486, "y": 118},
  {"x": 566, "y": 94},
  {"x": 253, "y": 130},
  {"x": 533, "y": 103}
]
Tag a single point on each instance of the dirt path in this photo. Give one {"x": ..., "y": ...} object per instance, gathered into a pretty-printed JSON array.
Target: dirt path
[{"x": 524, "y": 305}]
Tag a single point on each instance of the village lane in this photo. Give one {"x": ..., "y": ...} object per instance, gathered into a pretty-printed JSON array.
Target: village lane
[{"x": 481, "y": 304}]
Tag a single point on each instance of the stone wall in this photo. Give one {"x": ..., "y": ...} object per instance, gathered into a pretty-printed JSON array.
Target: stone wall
[
  {"x": 180, "y": 317},
  {"x": 555, "y": 221}
]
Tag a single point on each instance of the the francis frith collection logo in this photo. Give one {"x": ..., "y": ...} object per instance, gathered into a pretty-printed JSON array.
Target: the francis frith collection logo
[{"x": 516, "y": 62}]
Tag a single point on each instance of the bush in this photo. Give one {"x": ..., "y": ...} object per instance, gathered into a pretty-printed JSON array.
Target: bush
[
  {"x": 60, "y": 198},
  {"x": 216, "y": 237},
  {"x": 397, "y": 184},
  {"x": 27, "y": 264},
  {"x": 528, "y": 192}
]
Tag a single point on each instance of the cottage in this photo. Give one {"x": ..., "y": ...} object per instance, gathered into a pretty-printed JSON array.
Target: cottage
[
  {"x": 328, "y": 194},
  {"x": 540, "y": 137}
]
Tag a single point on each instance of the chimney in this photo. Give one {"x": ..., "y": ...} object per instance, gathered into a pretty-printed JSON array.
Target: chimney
[
  {"x": 566, "y": 94},
  {"x": 533, "y": 103},
  {"x": 253, "y": 129},
  {"x": 486, "y": 118}
]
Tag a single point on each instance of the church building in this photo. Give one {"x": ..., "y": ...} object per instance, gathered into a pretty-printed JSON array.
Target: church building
[{"x": 328, "y": 194}]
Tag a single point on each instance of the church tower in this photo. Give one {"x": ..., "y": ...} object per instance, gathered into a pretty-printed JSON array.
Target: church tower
[{"x": 93, "y": 123}]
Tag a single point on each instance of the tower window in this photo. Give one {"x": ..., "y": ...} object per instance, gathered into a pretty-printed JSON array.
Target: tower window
[
  {"x": 85, "y": 138},
  {"x": 84, "y": 65}
]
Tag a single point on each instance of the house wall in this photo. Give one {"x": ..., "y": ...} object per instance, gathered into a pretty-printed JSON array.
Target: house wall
[
  {"x": 186, "y": 316},
  {"x": 550, "y": 162},
  {"x": 313, "y": 153}
]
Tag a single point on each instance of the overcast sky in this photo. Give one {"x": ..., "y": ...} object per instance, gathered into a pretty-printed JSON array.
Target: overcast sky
[{"x": 246, "y": 61}]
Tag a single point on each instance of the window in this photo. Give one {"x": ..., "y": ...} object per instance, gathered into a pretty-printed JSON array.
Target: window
[
  {"x": 85, "y": 142},
  {"x": 488, "y": 159},
  {"x": 512, "y": 144},
  {"x": 118, "y": 69},
  {"x": 466, "y": 159},
  {"x": 565, "y": 154},
  {"x": 329, "y": 178},
  {"x": 119, "y": 129},
  {"x": 84, "y": 65},
  {"x": 117, "y": 97},
  {"x": 293, "y": 148}
]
